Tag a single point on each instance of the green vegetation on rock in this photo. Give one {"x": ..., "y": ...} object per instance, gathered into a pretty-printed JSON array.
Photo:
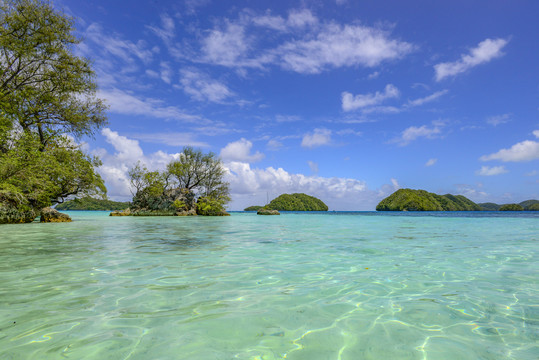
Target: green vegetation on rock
[
  {"x": 47, "y": 98},
  {"x": 421, "y": 200},
  {"x": 532, "y": 207},
  {"x": 253, "y": 208},
  {"x": 191, "y": 185},
  {"x": 88, "y": 203},
  {"x": 511, "y": 207},
  {"x": 528, "y": 204},
  {"x": 489, "y": 206},
  {"x": 296, "y": 202}
]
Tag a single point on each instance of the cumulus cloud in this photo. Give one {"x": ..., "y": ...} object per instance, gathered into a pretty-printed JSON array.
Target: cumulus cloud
[
  {"x": 491, "y": 171},
  {"x": 317, "y": 48},
  {"x": 527, "y": 150},
  {"x": 202, "y": 88},
  {"x": 484, "y": 52},
  {"x": 127, "y": 152},
  {"x": 317, "y": 138},
  {"x": 226, "y": 46},
  {"x": 431, "y": 162},
  {"x": 341, "y": 46},
  {"x": 249, "y": 186},
  {"x": 351, "y": 102},
  {"x": 240, "y": 151}
]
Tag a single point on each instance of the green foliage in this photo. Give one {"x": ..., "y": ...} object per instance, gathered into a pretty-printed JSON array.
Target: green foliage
[
  {"x": 511, "y": 207},
  {"x": 44, "y": 87},
  {"x": 208, "y": 206},
  {"x": 194, "y": 174},
  {"x": 253, "y": 208},
  {"x": 532, "y": 207},
  {"x": 179, "y": 205},
  {"x": 46, "y": 93},
  {"x": 489, "y": 206},
  {"x": 297, "y": 202},
  {"x": 46, "y": 177},
  {"x": 528, "y": 203},
  {"x": 421, "y": 200},
  {"x": 89, "y": 203}
]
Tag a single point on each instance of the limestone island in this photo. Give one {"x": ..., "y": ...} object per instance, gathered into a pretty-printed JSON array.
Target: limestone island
[
  {"x": 290, "y": 202},
  {"x": 91, "y": 204},
  {"x": 421, "y": 200}
]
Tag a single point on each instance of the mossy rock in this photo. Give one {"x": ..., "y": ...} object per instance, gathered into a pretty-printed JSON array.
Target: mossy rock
[{"x": 265, "y": 211}]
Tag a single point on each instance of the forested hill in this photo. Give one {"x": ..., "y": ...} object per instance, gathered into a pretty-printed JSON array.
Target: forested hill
[
  {"x": 88, "y": 203},
  {"x": 421, "y": 200},
  {"x": 297, "y": 202}
]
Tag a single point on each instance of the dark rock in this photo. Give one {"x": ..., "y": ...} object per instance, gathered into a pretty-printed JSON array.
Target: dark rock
[
  {"x": 267, "y": 212},
  {"x": 125, "y": 212},
  {"x": 52, "y": 215}
]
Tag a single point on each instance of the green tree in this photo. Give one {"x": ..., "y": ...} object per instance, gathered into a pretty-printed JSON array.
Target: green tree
[
  {"x": 201, "y": 175},
  {"x": 46, "y": 94},
  {"x": 44, "y": 87}
]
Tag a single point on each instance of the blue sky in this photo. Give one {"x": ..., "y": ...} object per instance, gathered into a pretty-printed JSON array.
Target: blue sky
[{"x": 344, "y": 100}]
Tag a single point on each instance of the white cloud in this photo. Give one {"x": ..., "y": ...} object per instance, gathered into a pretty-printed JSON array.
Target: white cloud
[
  {"x": 170, "y": 138},
  {"x": 536, "y": 133},
  {"x": 341, "y": 46},
  {"x": 313, "y": 166},
  {"x": 317, "y": 138},
  {"x": 166, "y": 72},
  {"x": 122, "y": 102},
  {"x": 201, "y": 87},
  {"x": 116, "y": 46},
  {"x": 227, "y": 46},
  {"x": 413, "y": 132},
  {"x": 274, "y": 144},
  {"x": 351, "y": 102},
  {"x": 527, "y": 150},
  {"x": 166, "y": 31},
  {"x": 249, "y": 186},
  {"x": 486, "y": 51},
  {"x": 240, "y": 151},
  {"x": 427, "y": 99},
  {"x": 491, "y": 171},
  {"x": 296, "y": 19},
  {"x": 287, "y": 118},
  {"x": 431, "y": 162},
  {"x": 499, "y": 119},
  {"x": 127, "y": 153}
]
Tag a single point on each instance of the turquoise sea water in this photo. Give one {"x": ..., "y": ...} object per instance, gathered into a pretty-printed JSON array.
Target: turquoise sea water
[{"x": 296, "y": 286}]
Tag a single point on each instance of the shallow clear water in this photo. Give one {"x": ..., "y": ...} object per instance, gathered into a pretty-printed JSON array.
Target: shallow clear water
[{"x": 295, "y": 286}]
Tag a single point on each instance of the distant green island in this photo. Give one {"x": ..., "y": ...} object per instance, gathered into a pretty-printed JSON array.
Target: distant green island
[
  {"x": 88, "y": 203},
  {"x": 293, "y": 202},
  {"x": 421, "y": 200}
]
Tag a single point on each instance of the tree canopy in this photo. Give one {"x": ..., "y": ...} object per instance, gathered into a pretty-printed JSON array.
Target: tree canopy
[
  {"x": 421, "y": 200},
  {"x": 193, "y": 172},
  {"x": 47, "y": 101},
  {"x": 297, "y": 202}
]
